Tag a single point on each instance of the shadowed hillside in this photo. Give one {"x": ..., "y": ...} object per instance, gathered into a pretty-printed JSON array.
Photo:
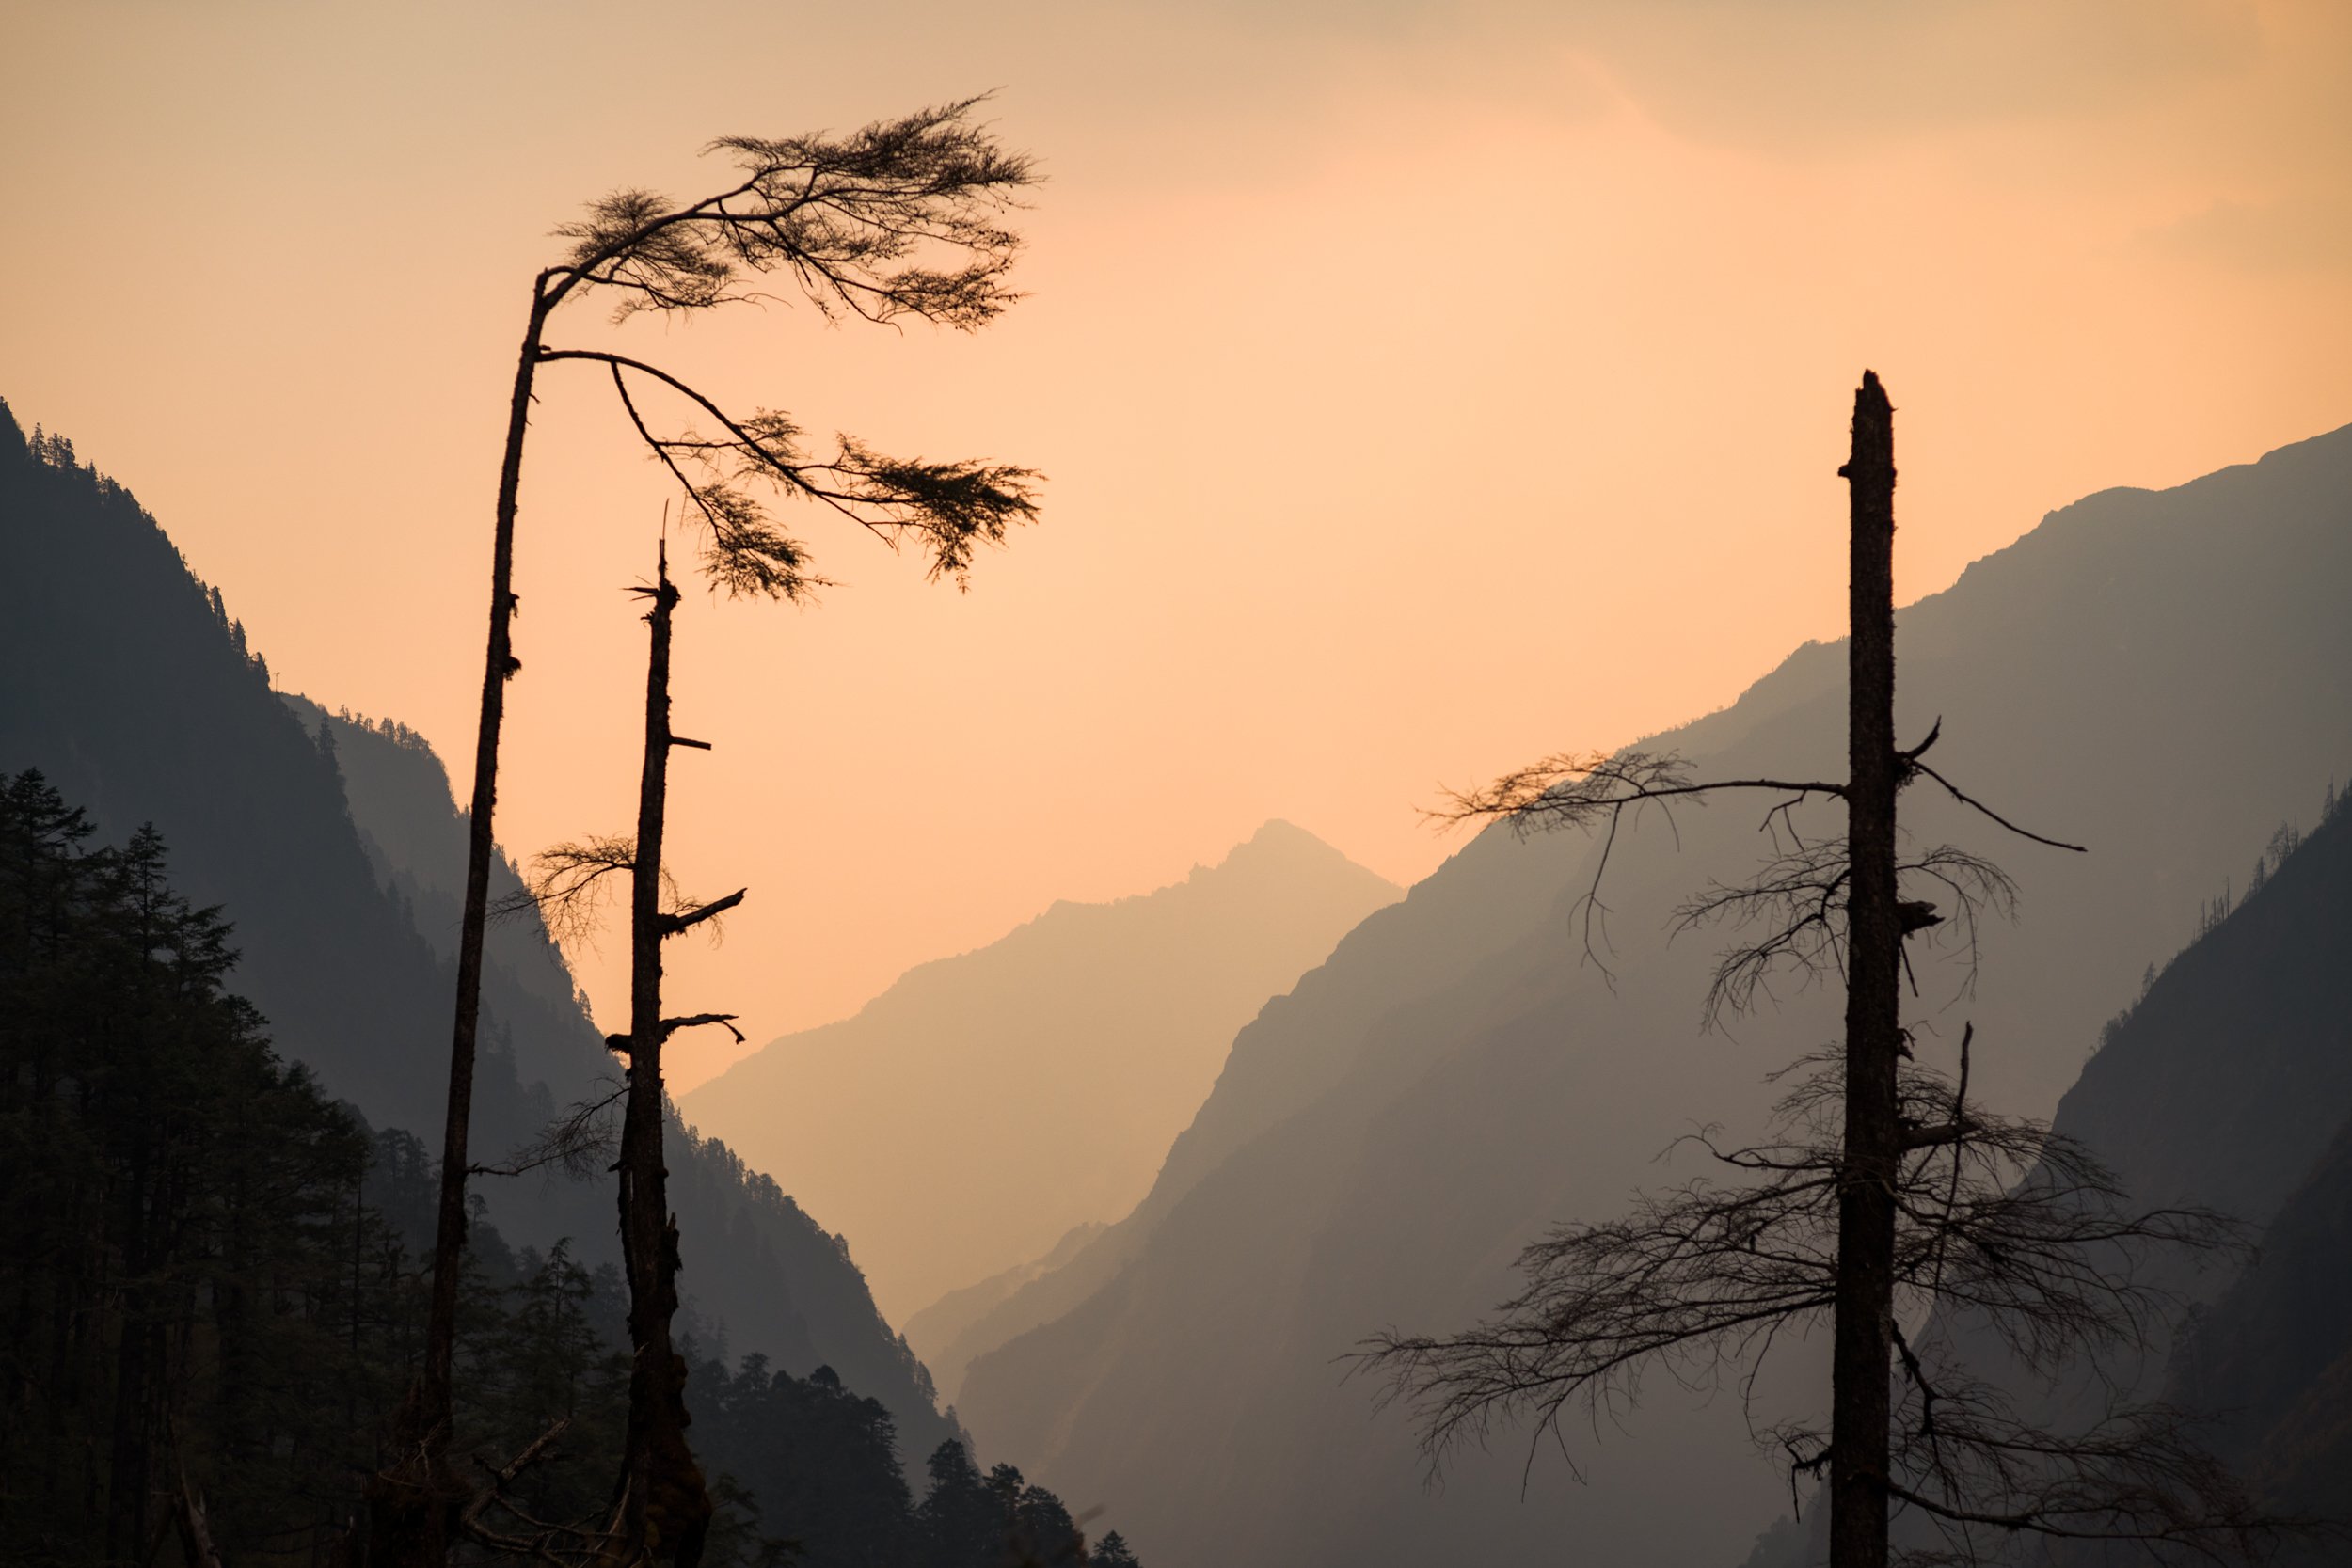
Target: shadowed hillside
[
  {"x": 2275, "y": 1355},
  {"x": 127, "y": 682},
  {"x": 1382, "y": 1142},
  {"x": 2227, "y": 1086},
  {"x": 985, "y": 1104},
  {"x": 2230, "y": 1084}
]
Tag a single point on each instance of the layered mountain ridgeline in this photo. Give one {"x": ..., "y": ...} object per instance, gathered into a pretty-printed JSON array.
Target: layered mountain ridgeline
[
  {"x": 414, "y": 834},
  {"x": 948, "y": 1332},
  {"x": 2156, "y": 673},
  {"x": 123, "y": 679},
  {"x": 984, "y": 1105}
]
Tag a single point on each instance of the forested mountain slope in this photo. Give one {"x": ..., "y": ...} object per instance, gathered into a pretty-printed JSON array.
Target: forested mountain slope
[
  {"x": 212, "y": 1293},
  {"x": 2224, "y": 1085},
  {"x": 1047, "y": 1070},
  {"x": 2274, "y": 1358},
  {"x": 126, "y": 683},
  {"x": 2157, "y": 675},
  {"x": 2227, "y": 1086},
  {"x": 2230, "y": 1084}
]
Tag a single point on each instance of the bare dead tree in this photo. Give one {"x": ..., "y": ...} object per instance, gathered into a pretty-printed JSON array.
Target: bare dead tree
[
  {"x": 1997, "y": 1217},
  {"x": 663, "y": 1506},
  {"x": 903, "y": 219},
  {"x": 664, "y": 1510},
  {"x": 1885, "y": 1194}
]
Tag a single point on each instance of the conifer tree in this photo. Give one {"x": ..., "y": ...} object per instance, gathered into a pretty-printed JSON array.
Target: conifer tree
[{"x": 1112, "y": 1551}]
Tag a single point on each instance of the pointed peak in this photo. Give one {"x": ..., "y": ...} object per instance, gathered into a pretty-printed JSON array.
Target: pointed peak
[
  {"x": 1278, "y": 836},
  {"x": 1278, "y": 842}
]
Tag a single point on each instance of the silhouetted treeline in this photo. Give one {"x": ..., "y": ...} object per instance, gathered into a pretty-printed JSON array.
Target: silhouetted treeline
[
  {"x": 211, "y": 1283},
  {"x": 183, "y": 1259}
]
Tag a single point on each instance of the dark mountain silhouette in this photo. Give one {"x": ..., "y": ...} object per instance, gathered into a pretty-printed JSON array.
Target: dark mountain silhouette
[
  {"x": 2274, "y": 1356},
  {"x": 124, "y": 680},
  {"x": 414, "y": 835},
  {"x": 2156, "y": 673},
  {"x": 2230, "y": 1084},
  {"x": 2227, "y": 1083},
  {"x": 1047, "y": 1071}
]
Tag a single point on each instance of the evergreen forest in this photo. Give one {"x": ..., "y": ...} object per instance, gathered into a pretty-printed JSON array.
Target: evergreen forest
[{"x": 212, "y": 1279}]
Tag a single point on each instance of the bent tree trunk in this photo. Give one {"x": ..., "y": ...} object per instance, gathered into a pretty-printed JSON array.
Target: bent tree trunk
[
  {"x": 414, "y": 1502},
  {"x": 664, "y": 1507},
  {"x": 1862, "y": 1349}
]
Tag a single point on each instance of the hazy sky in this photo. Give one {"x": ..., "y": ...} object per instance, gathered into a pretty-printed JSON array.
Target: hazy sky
[{"x": 1422, "y": 388}]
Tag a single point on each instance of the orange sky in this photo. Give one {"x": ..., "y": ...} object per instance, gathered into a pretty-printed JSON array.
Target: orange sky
[{"x": 1421, "y": 388}]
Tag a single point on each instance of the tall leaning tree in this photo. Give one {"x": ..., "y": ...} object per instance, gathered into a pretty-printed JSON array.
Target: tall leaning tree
[
  {"x": 904, "y": 220},
  {"x": 1883, "y": 1195}
]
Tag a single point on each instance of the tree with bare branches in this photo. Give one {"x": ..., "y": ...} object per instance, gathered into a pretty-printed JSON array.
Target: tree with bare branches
[
  {"x": 902, "y": 219},
  {"x": 661, "y": 1508},
  {"x": 664, "y": 1507},
  {"x": 1884, "y": 1195}
]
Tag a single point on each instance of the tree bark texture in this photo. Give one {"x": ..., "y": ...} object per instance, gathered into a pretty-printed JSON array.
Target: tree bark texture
[
  {"x": 1861, "y": 1357},
  {"x": 665, "y": 1510}
]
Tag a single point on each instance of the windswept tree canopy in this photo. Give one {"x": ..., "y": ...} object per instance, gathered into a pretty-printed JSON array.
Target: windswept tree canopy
[{"x": 902, "y": 219}]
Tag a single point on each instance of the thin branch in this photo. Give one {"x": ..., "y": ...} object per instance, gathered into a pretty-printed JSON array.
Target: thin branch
[
  {"x": 568, "y": 882},
  {"x": 952, "y": 507},
  {"x": 579, "y": 1142},
  {"x": 1980, "y": 807},
  {"x": 1576, "y": 788}
]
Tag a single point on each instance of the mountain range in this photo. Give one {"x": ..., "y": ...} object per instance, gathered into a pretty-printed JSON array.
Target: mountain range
[
  {"x": 986, "y": 1104},
  {"x": 334, "y": 848},
  {"x": 2155, "y": 675}
]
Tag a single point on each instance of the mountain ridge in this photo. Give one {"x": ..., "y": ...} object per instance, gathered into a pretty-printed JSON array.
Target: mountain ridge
[
  {"x": 129, "y": 686},
  {"x": 1433, "y": 1093},
  {"x": 1054, "y": 1062}
]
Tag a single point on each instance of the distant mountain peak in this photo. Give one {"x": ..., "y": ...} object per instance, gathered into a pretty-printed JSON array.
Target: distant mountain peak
[
  {"x": 1281, "y": 847},
  {"x": 1051, "y": 1068},
  {"x": 1457, "y": 1077},
  {"x": 1276, "y": 835}
]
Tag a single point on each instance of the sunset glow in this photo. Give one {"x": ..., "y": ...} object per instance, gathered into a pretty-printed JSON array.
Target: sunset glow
[{"x": 1420, "y": 388}]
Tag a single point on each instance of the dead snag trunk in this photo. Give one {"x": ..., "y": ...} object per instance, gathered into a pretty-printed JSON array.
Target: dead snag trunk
[
  {"x": 1861, "y": 1357},
  {"x": 665, "y": 1510}
]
